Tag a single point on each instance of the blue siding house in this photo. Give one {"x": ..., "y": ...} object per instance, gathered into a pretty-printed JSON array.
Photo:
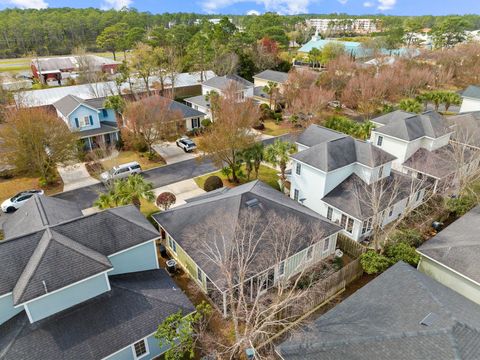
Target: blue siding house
[
  {"x": 96, "y": 124},
  {"x": 82, "y": 287}
]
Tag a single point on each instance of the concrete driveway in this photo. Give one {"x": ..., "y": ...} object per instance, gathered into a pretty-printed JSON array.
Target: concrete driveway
[
  {"x": 172, "y": 153},
  {"x": 182, "y": 190},
  {"x": 75, "y": 176}
]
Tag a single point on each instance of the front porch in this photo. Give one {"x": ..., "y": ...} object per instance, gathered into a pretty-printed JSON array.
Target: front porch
[{"x": 101, "y": 140}]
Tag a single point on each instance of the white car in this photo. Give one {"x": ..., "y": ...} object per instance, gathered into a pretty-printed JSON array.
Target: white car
[
  {"x": 186, "y": 144},
  {"x": 15, "y": 202}
]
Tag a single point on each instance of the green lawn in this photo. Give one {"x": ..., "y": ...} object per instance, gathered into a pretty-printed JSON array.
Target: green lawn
[
  {"x": 266, "y": 174},
  {"x": 129, "y": 156},
  {"x": 271, "y": 128}
]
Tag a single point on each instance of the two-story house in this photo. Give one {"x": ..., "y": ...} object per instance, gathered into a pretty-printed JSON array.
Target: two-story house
[
  {"x": 470, "y": 99},
  {"x": 229, "y": 206},
  {"x": 96, "y": 125},
  {"x": 220, "y": 84},
  {"x": 340, "y": 177},
  {"x": 82, "y": 287},
  {"x": 420, "y": 143},
  {"x": 267, "y": 78}
]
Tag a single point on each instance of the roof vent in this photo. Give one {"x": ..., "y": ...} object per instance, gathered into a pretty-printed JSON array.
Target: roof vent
[
  {"x": 429, "y": 319},
  {"x": 252, "y": 202},
  {"x": 45, "y": 286}
]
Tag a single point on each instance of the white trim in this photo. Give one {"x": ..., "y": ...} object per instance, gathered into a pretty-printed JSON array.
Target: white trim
[
  {"x": 155, "y": 252},
  {"x": 29, "y": 315},
  {"x": 80, "y": 104},
  {"x": 407, "y": 141},
  {"x": 147, "y": 349},
  {"x": 447, "y": 267},
  {"x": 4, "y": 295},
  {"x": 108, "y": 282},
  {"x": 135, "y": 246},
  {"x": 129, "y": 346},
  {"x": 63, "y": 288}
]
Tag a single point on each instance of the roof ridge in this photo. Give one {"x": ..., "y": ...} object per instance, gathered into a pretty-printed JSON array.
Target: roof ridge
[{"x": 41, "y": 210}]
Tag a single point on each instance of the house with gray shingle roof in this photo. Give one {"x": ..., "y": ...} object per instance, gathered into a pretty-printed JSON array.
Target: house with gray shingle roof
[
  {"x": 332, "y": 170},
  {"x": 82, "y": 287},
  {"x": 471, "y": 99},
  {"x": 266, "y": 78},
  {"x": 402, "y": 314},
  {"x": 230, "y": 206},
  {"x": 421, "y": 145},
  {"x": 451, "y": 256},
  {"x": 95, "y": 124}
]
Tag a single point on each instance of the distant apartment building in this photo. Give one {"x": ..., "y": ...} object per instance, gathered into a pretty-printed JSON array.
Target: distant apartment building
[
  {"x": 360, "y": 26},
  {"x": 214, "y": 21}
]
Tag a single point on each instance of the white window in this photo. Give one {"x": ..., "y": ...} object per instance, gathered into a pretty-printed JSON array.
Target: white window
[
  {"x": 140, "y": 349},
  {"x": 281, "y": 268},
  {"x": 85, "y": 121},
  {"x": 364, "y": 226},
  {"x": 390, "y": 212},
  {"x": 418, "y": 195},
  {"x": 350, "y": 225},
  {"x": 199, "y": 275},
  {"x": 298, "y": 169},
  {"x": 310, "y": 253},
  {"x": 343, "y": 221},
  {"x": 326, "y": 244},
  {"x": 195, "y": 123},
  {"x": 379, "y": 141},
  {"x": 172, "y": 244},
  {"x": 296, "y": 194},
  {"x": 380, "y": 172},
  {"x": 329, "y": 213}
]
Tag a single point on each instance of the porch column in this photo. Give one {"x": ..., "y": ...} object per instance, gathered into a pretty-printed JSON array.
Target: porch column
[{"x": 90, "y": 143}]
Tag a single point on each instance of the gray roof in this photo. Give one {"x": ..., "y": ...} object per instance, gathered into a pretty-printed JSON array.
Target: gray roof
[
  {"x": 106, "y": 127},
  {"x": 472, "y": 91},
  {"x": 66, "y": 252},
  {"x": 39, "y": 212},
  {"x": 393, "y": 116},
  {"x": 351, "y": 195},
  {"x": 223, "y": 82},
  {"x": 343, "y": 151},
  {"x": 382, "y": 320},
  {"x": 272, "y": 75},
  {"x": 467, "y": 128},
  {"x": 316, "y": 134},
  {"x": 198, "y": 100},
  {"x": 69, "y": 103},
  {"x": 132, "y": 310},
  {"x": 182, "y": 221},
  {"x": 429, "y": 124},
  {"x": 186, "y": 110},
  {"x": 458, "y": 245},
  {"x": 438, "y": 163}
]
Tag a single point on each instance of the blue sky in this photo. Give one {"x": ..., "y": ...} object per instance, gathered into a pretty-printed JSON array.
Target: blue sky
[{"x": 394, "y": 7}]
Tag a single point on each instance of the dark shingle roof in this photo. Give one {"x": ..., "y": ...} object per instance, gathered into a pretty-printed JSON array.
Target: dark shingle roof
[
  {"x": 472, "y": 91},
  {"x": 393, "y": 116},
  {"x": 271, "y": 75},
  {"x": 429, "y": 124},
  {"x": 383, "y": 319},
  {"x": 106, "y": 127},
  {"x": 64, "y": 253},
  {"x": 458, "y": 245},
  {"x": 69, "y": 103},
  {"x": 466, "y": 127},
  {"x": 351, "y": 195},
  {"x": 39, "y": 212},
  {"x": 316, "y": 134},
  {"x": 181, "y": 221},
  {"x": 223, "y": 82},
  {"x": 186, "y": 110},
  {"x": 343, "y": 151},
  {"x": 94, "y": 329}
]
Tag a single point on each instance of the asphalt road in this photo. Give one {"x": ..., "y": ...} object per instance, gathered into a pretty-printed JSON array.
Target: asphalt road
[{"x": 161, "y": 176}]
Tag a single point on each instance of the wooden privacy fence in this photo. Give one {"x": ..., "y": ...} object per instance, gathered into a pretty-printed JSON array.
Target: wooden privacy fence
[{"x": 349, "y": 246}]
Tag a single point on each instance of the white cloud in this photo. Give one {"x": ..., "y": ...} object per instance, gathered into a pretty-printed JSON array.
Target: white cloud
[
  {"x": 116, "y": 4},
  {"x": 368, "y": 4},
  {"x": 286, "y": 7},
  {"x": 343, "y": 2},
  {"x": 253, "y": 12},
  {"x": 386, "y": 4},
  {"x": 27, "y": 4}
]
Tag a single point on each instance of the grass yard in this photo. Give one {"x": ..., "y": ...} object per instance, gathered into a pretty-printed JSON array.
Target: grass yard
[
  {"x": 147, "y": 208},
  {"x": 10, "y": 187},
  {"x": 265, "y": 174},
  {"x": 129, "y": 156},
  {"x": 273, "y": 129}
]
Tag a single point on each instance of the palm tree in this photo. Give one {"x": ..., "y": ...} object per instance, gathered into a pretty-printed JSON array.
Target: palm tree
[
  {"x": 271, "y": 89},
  {"x": 253, "y": 157},
  {"x": 410, "y": 105},
  {"x": 278, "y": 153},
  {"x": 364, "y": 129},
  {"x": 127, "y": 191},
  {"x": 451, "y": 98}
]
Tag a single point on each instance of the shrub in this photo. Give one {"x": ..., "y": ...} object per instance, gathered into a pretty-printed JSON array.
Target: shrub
[
  {"x": 404, "y": 252},
  {"x": 412, "y": 237},
  {"x": 212, "y": 183},
  {"x": 460, "y": 205},
  {"x": 374, "y": 263},
  {"x": 165, "y": 200},
  {"x": 206, "y": 122}
]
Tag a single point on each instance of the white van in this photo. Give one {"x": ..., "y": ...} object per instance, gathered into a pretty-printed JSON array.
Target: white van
[{"x": 121, "y": 171}]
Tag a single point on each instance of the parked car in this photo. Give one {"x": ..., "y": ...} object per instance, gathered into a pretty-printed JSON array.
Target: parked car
[
  {"x": 186, "y": 144},
  {"x": 15, "y": 202},
  {"x": 121, "y": 171}
]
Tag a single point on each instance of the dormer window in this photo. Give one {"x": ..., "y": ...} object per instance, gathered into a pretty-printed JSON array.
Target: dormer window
[{"x": 379, "y": 141}]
